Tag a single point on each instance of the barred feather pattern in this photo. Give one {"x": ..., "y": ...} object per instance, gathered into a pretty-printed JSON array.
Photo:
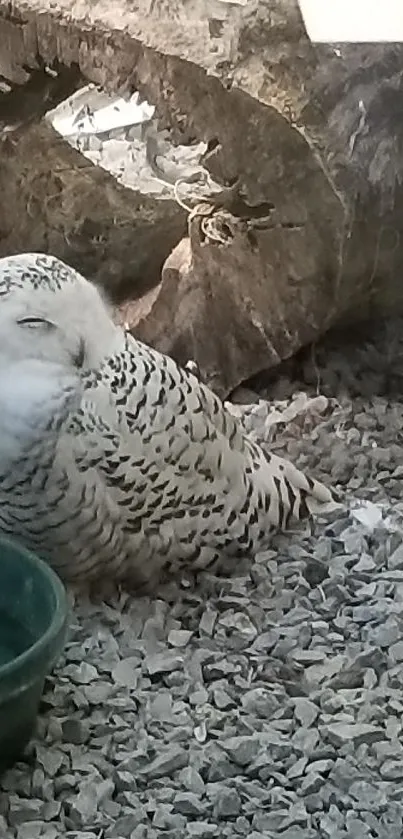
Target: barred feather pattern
[{"x": 115, "y": 463}]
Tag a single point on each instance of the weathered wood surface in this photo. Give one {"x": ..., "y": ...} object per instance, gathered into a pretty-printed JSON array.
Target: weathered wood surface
[
  {"x": 311, "y": 136},
  {"x": 56, "y": 200}
]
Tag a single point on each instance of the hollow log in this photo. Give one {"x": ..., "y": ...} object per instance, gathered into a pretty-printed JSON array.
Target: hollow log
[
  {"x": 56, "y": 200},
  {"x": 305, "y": 139}
]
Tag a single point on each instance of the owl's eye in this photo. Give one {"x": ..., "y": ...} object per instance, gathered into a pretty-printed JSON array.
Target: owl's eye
[
  {"x": 33, "y": 321},
  {"x": 79, "y": 357}
]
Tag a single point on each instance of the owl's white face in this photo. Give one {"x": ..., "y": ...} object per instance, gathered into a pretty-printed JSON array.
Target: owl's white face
[{"x": 69, "y": 325}]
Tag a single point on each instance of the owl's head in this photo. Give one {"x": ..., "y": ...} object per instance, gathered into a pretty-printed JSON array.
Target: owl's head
[{"x": 48, "y": 311}]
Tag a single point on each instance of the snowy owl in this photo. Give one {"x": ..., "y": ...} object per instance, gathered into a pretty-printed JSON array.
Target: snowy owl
[{"x": 115, "y": 463}]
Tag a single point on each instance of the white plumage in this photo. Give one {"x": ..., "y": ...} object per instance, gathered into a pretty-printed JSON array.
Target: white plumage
[{"x": 114, "y": 462}]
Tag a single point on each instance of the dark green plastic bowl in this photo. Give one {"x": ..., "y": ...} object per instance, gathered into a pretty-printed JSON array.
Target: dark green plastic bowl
[{"x": 33, "y": 627}]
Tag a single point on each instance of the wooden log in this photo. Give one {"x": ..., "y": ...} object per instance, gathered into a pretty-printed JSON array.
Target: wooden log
[
  {"x": 305, "y": 139},
  {"x": 56, "y": 200}
]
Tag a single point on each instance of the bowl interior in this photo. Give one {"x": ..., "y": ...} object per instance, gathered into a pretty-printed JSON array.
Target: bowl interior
[{"x": 30, "y": 601}]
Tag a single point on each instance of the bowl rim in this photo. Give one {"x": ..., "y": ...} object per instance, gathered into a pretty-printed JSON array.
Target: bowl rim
[{"x": 61, "y": 610}]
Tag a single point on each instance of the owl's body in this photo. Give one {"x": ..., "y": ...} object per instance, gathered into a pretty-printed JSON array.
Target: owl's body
[{"x": 114, "y": 462}]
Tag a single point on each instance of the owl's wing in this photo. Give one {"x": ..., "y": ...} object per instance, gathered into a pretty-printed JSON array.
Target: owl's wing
[
  {"x": 66, "y": 495},
  {"x": 183, "y": 427}
]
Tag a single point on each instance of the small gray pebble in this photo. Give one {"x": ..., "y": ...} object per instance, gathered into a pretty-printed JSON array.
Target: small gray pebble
[
  {"x": 140, "y": 832},
  {"x": 242, "y": 750},
  {"x": 261, "y": 702},
  {"x": 305, "y": 711},
  {"x": 344, "y": 733},
  {"x": 222, "y": 700},
  {"x": 127, "y": 672},
  {"x": 82, "y": 674},
  {"x": 192, "y": 780},
  {"x": 208, "y": 621},
  {"x": 169, "y": 761},
  {"x": 21, "y": 810},
  {"x": 396, "y": 651},
  {"x": 227, "y": 804},
  {"x": 163, "y": 663},
  {"x": 179, "y": 637},
  {"x": 30, "y": 830},
  {"x": 189, "y": 804},
  {"x": 311, "y": 784},
  {"x": 75, "y": 731},
  {"x": 392, "y": 770},
  {"x": 201, "y": 830}
]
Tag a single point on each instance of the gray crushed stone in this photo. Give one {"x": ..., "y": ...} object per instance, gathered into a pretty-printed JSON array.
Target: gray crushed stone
[{"x": 263, "y": 704}]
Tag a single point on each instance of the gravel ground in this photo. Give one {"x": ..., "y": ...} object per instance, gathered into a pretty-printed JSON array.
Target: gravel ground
[{"x": 268, "y": 704}]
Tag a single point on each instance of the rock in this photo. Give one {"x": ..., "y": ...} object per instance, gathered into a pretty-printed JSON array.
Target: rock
[
  {"x": 172, "y": 759},
  {"x": 127, "y": 672},
  {"x": 192, "y": 780},
  {"x": 305, "y": 740},
  {"x": 82, "y": 674},
  {"x": 322, "y": 767},
  {"x": 123, "y": 781},
  {"x": 31, "y": 830},
  {"x": 395, "y": 560},
  {"x": 189, "y": 804},
  {"x": 85, "y": 805},
  {"x": 51, "y": 760},
  {"x": 240, "y": 623},
  {"x": 75, "y": 731},
  {"x": 207, "y": 621},
  {"x": 163, "y": 663},
  {"x": 305, "y": 711},
  {"x": 200, "y": 732},
  {"x": 160, "y": 707},
  {"x": 24, "y": 810},
  {"x": 319, "y": 672},
  {"x": 396, "y": 651},
  {"x": 222, "y": 700},
  {"x": 164, "y": 819},
  {"x": 340, "y": 733},
  {"x": 392, "y": 770},
  {"x": 356, "y": 827},
  {"x": 179, "y": 637},
  {"x": 201, "y": 830},
  {"x": 199, "y": 697},
  {"x": 297, "y": 768},
  {"x": 242, "y": 750},
  {"x": 285, "y": 220},
  {"x": 140, "y": 832},
  {"x": 124, "y": 826},
  {"x": 315, "y": 572},
  {"x": 386, "y": 634},
  {"x": 261, "y": 702},
  {"x": 311, "y": 784},
  {"x": 227, "y": 803}
]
